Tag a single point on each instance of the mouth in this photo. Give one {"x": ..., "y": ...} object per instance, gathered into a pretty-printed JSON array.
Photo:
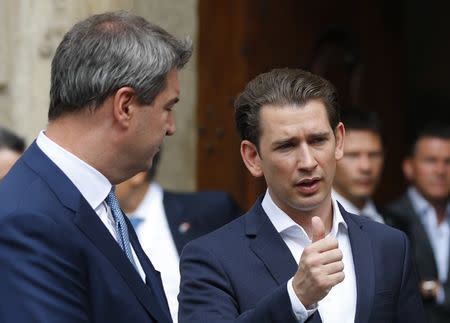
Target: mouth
[{"x": 308, "y": 185}]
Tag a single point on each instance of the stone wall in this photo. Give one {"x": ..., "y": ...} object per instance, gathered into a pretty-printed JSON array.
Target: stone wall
[{"x": 29, "y": 33}]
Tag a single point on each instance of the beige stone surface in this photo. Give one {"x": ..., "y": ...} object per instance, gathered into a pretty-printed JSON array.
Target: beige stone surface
[{"x": 30, "y": 30}]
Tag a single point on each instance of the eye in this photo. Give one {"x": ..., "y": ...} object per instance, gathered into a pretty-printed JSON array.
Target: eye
[
  {"x": 318, "y": 140},
  {"x": 285, "y": 146}
]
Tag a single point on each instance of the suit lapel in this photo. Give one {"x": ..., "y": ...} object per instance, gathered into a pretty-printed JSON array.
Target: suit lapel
[
  {"x": 89, "y": 223},
  {"x": 153, "y": 277},
  {"x": 364, "y": 267},
  {"x": 268, "y": 245}
]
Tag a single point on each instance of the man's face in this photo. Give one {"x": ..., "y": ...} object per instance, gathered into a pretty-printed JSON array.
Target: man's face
[
  {"x": 152, "y": 123},
  {"x": 358, "y": 172},
  {"x": 7, "y": 159},
  {"x": 297, "y": 155},
  {"x": 429, "y": 168}
]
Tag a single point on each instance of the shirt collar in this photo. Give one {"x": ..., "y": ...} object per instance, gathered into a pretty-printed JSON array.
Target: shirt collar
[
  {"x": 283, "y": 223},
  {"x": 152, "y": 199},
  {"x": 421, "y": 205},
  {"x": 93, "y": 185}
]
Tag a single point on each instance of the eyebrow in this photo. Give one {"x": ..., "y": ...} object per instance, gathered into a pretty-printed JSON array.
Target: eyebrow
[{"x": 172, "y": 102}]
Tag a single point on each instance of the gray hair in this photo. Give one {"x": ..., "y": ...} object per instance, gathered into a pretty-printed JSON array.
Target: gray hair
[
  {"x": 108, "y": 51},
  {"x": 281, "y": 87}
]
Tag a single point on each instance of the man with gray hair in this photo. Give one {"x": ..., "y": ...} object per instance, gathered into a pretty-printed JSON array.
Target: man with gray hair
[{"x": 67, "y": 252}]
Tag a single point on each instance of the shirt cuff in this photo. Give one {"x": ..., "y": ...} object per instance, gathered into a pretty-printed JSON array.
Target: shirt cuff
[{"x": 300, "y": 312}]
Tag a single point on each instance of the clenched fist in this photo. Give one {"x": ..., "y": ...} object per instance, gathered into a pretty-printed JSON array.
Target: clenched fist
[{"x": 320, "y": 267}]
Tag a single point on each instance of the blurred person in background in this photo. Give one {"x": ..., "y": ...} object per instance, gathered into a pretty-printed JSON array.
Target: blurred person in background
[
  {"x": 425, "y": 206},
  {"x": 165, "y": 221},
  {"x": 11, "y": 148}
]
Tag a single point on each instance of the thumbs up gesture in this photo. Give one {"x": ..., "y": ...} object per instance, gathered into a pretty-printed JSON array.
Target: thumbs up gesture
[{"x": 320, "y": 266}]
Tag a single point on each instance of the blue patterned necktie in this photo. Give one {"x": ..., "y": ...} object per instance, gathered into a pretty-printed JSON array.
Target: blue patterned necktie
[{"x": 120, "y": 225}]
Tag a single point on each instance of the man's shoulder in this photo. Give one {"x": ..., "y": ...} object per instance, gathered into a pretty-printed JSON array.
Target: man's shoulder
[
  {"x": 226, "y": 238},
  {"x": 400, "y": 205},
  {"x": 219, "y": 197},
  {"x": 217, "y": 204}
]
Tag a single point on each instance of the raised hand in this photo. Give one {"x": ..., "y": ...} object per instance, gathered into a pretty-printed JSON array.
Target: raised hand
[{"x": 320, "y": 266}]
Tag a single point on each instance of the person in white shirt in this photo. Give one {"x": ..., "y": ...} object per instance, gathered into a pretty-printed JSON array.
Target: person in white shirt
[
  {"x": 358, "y": 172},
  {"x": 165, "y": 221},
  {"x": 296, "y": 256},
  {"x": 425, "y": 207}
]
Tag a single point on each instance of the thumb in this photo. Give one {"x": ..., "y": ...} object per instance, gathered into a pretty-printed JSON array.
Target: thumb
[{"x": 318, "y": 229}]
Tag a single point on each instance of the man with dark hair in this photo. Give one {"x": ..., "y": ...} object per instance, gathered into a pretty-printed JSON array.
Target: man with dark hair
[
  {"x": 425, "y": 207},
  {"x": 67, "y": 252},
  {"x": 296, "y": 256},
  {"x": 359, "y": 170},
  {"x": 165, "y": 221},
  {"x": 11, "y": 147}
]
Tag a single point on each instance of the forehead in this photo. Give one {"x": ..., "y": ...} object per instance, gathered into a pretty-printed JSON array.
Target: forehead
[
  {"x": 361, "y": 139},
  {"x": 433, "y": 146},
  {"x": 290, "y": 120}
]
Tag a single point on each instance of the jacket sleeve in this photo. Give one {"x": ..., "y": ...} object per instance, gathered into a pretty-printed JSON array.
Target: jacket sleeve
[{"x": 207, "y": 296}]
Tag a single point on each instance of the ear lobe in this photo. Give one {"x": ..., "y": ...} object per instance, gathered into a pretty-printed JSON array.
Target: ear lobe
[
  {"x": 251, "y": 159},
  {"x": 339, "y": 135},
  {"x": 122, "y": 105}
]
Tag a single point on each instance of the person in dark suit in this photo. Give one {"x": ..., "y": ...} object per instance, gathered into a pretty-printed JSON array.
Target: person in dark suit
[
  {"x": 359, "y": 171},
  {"x": 425, "y": 207},
  {"x": 296, "y": 256},
  {"x": 165, "y": 221},
  {"x": 11, "y": 147},
  {"x": 67, "y": 252}
]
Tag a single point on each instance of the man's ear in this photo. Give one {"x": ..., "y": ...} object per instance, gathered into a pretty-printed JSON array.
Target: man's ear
[
  {"x": 408, "y": 170},
  {"x": 123, "y": 103},
  {"x": 251, "y": 158},
  {"x": 339, "y": 135}
]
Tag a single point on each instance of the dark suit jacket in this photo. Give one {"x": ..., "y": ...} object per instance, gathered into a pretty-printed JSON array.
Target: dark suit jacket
[
  {"x": 58, "y": 262},
  {"x": 239, "y": 273},
  {"x": 191, "y": 215},
  {"x": 423, "y": 256}
]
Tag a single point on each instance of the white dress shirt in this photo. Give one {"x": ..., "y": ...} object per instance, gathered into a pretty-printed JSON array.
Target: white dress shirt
[
  {"x": 156, "y": 239},
  {"x": 93, "y": 186},
  {"x": 340, "y": 303},
  {"x": 438, "y": 234},
  {"x": 368, "y": 210}
]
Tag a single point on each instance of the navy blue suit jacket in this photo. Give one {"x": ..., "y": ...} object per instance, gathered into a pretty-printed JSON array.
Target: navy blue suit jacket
[
  {"x": 191, "y": 215},
  {"x": 239, "y": 273},
  {"x": 58, "y": 262}
]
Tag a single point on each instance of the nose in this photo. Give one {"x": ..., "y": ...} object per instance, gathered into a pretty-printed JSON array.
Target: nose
[
  {"x": 306, "y": 159},
  {"x": 171, "y": 127},
  {"x": 364, "y": 163}
]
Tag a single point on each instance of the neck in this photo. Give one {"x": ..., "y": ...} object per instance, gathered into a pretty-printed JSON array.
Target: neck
[
  {"x": 324, "y": 212},
  {"x": 88, "y": 137}
]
